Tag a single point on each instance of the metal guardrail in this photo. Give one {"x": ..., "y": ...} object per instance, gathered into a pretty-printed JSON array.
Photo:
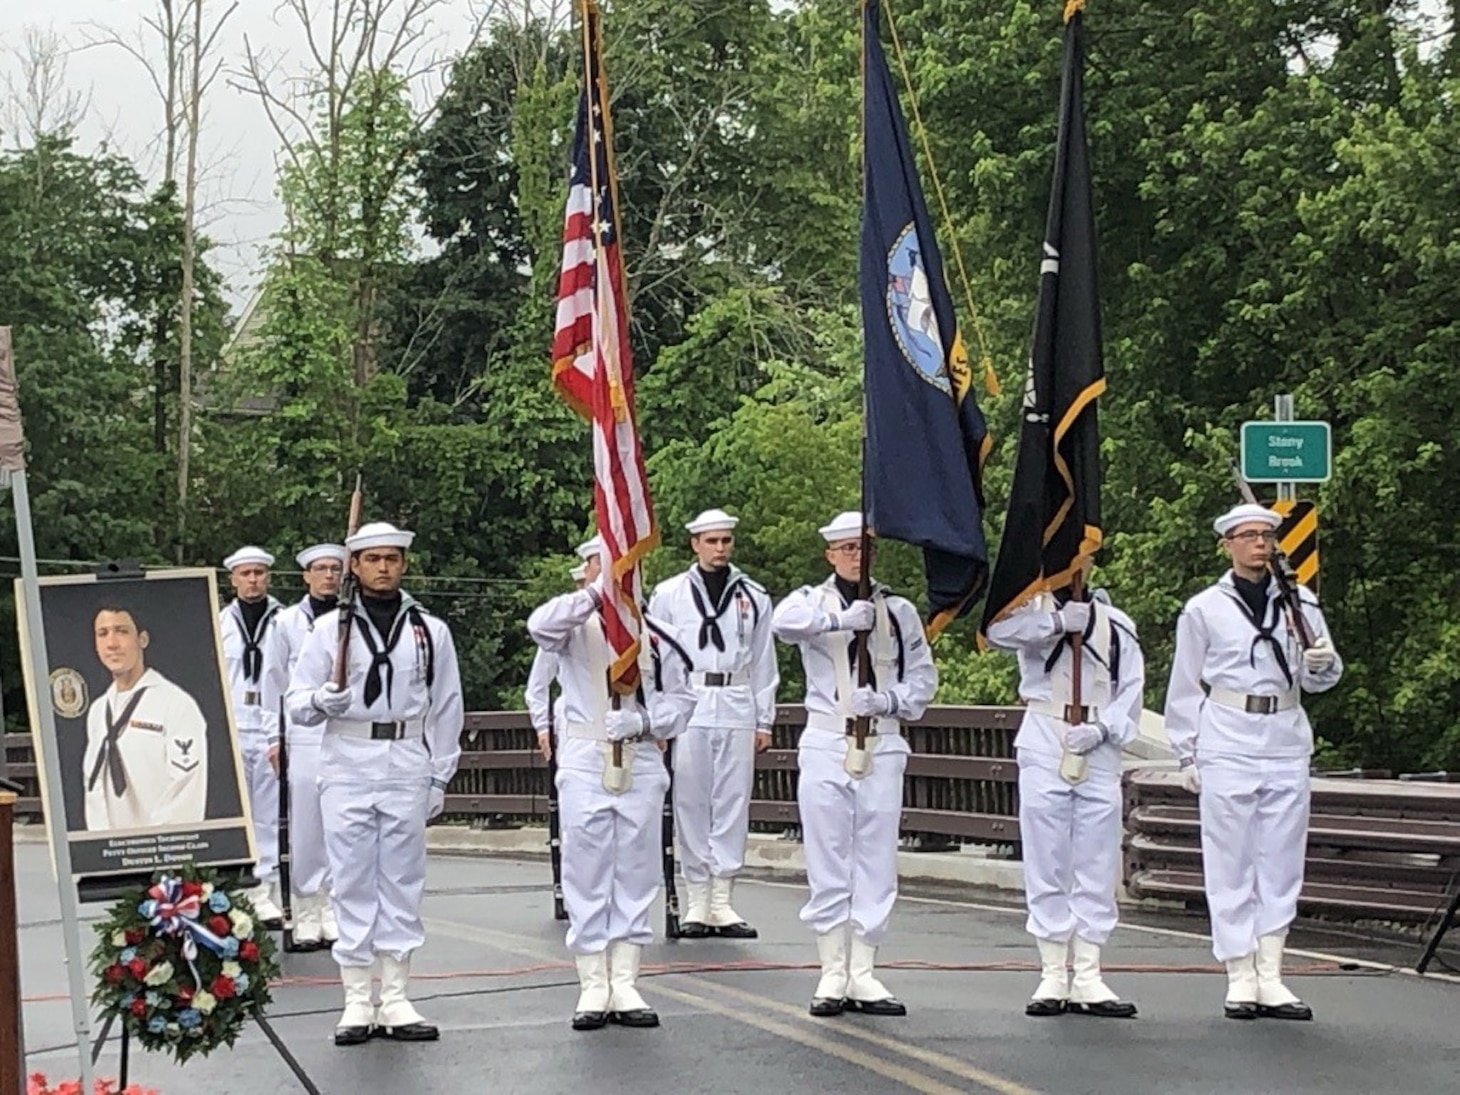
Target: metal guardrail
[
  {"x": 961, "y": 786},
  {"x": 1377, "y": 848}
]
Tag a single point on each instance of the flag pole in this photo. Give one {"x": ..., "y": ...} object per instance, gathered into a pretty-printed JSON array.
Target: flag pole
[{"x": 859, "y": 727}]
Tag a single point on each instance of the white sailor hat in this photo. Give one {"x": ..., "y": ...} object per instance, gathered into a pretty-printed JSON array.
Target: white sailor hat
[
  {"x": 379, "y": 534},
  {"x": 579, "y": 573},
  {"x": 245, "y": 555},
  {"x": 712, "y": 520},
  {"x": 591, "y": 548},
  {"x": 321, "y": 551},
  {"x": 844, "y": 526},
  {"x": 1245, "y": 514}
]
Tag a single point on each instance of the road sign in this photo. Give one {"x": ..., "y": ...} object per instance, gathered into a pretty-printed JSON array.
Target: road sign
[
  {"x": 1287, "y": 452},
  {"x": 1298, "y": 537}
]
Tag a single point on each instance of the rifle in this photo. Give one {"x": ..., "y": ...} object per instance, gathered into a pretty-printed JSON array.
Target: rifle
[
  {"x": 285, "y": 857},
  {"x": 671, "y": 894},
  {"x": 555, "y": 830},
  {"x": 1282, "y": 571},
  {"x": 349, "y": 594}
]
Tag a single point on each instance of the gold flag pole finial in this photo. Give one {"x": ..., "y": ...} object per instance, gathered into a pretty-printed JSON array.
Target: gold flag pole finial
[{"x": 1073, "y": 6}]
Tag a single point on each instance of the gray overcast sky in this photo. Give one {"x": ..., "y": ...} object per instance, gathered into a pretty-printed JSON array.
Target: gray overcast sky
[{"x": 238, "y": 143}]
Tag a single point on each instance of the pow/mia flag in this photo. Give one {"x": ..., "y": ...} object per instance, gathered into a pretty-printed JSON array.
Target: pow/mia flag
[{"x": 1053, "y": 523}]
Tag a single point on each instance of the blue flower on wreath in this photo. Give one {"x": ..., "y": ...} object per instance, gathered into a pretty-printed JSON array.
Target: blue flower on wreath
[
  {"x": 230, "y": 947},
  {"x": 128, "y": 1000},
  {"x": 241, "y": 983},
  {"x": 219, "y": 902},
  {"x": 127, "y": 955},
  {"x": 156, "y": 1025},
  {"x": 144, "y": 910},
  {"x": 153, "y": 999},
  {"x": 189, "y": 1018}
]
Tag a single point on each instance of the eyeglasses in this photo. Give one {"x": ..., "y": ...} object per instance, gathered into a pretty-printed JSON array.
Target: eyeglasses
[
  {"x": 1252, "y": 535},
  {"x": 847, "y": 549}
]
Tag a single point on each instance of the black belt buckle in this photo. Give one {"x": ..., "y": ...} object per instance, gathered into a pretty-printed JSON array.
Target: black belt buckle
[
  {"x": 386, "y": 731},
  {"x": 717, "y": 680},
  {"x": 1074, "y": 714},
  {"x": 251, "y": 699},
  {"x": 1262, "y": 705}
]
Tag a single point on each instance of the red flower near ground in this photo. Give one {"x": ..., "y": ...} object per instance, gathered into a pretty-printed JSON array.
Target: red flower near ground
[
  {"x": 249, "y": 951},
  {"x": 219, "y": 925},
  {"x": 223, "y": 987},
  {"x": 138, "y": 968},
  {"x": 139, "y": 1007}
]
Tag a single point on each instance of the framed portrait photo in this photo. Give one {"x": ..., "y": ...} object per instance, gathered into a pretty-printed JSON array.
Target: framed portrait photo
[{"x": 145, "y": 739}]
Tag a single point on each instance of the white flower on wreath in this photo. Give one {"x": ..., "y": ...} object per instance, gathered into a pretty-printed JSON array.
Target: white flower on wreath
[
  {"x": 207, "y": 891},
  {"x": 205, "y": 1002},
  {"x": 159, "y": 974},
  {"x": 119, "y": 939},
  {"x": 231, "y": 970},
  {"x": 242, "y": 924}
]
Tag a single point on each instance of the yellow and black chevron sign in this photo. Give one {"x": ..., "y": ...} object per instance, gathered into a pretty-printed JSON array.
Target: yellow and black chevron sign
[{"x": 1298, "y": 537}]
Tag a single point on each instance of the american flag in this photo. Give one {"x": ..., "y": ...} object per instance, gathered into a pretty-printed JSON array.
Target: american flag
[{"x": 593, "y": 367}]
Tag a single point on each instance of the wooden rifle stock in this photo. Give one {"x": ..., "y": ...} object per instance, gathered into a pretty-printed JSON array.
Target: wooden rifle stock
[{"x": 349, "y": 592}]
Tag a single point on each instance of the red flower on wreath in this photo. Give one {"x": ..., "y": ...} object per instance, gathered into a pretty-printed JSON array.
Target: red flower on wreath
[
  {"x": 115, "y": 974},
  {"x": 249, "y": 951},
  {"x": 223, "y": 987},
  {"x": 139, "y": 1007},
  {"x": 138, "y": 968},
  {"x": 135, "y": 936},
  {"x": 192, "y": 889},
  {"x": 185, "y": 992},
  {"x": 219, "y": 925}
]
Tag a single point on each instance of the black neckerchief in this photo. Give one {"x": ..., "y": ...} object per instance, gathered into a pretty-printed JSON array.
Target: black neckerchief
[
  {"x": 111, "y": 755},
  {"x": 318, "y": 606},
  {"x": 254, "y": 616},
  {"x": 1264, "y": 613},
  {"x": 384, "y": 614},
  {"x": 1067, "y": 641},
  {"x": 716, "y": 583}
]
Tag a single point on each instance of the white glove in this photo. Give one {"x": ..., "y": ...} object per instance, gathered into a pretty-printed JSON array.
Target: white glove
[
  {"x": 333, "y": 700},
  {"x": 857, "y": 616},
  {"x": 436, "y": 803},
  {"x": 1074, "y": 617},
  {"x": 869, "y": 703},
  {"x": 1318, "y": 657},
  {"x": 1085, "y": 737},
  {"x": 622, "y": 725},
  {"x": 1191, "y": 779}
]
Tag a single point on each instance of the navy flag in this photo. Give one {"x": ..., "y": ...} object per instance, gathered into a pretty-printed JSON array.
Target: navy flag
[
  {"x": 1053, "y": 526},
  {"x": 926, "y": 438}
]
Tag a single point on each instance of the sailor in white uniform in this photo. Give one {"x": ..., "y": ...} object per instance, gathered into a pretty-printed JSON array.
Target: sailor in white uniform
[
  {"x": 146, "y": 759},
  {"x": 245, "y": 622},
  {"x": 1237, "y": 724},
  {"x": 314, "y": 918},
  {"x": 1070, "y": 816},
  {"x": 611, "y": 813},
  {"x": 392, "y": 740},
  {"x": 724, "y": 619},
  {"x": 851, "y": 800}
]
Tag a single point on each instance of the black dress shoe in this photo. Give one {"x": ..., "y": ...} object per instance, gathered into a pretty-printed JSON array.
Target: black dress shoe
[
  {"x": 639, "y": 1017},
  {"x": 1106, "y": 1009},
  {"x": 352, "y": 1036},
  {"x": 590, "y": 1020},
  {"x": 888, "y": 1005},
  {"x": 296, "y": 947},
  {"x": 738, "y": 930},
  {"x": 410, "y": 1032},
  {"x": 693, "y": 929},
  {"x": 1299, "y": 1011},
  {"x": 273, "y": 925},
  {"x": 1044, "y": 1009},
  {"x": 1244, "y": 1010},
  {"x": 824, "y": 1007}
]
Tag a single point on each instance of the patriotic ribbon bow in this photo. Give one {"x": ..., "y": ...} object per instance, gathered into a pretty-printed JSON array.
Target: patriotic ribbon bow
[{"x": 168, "y": 912}]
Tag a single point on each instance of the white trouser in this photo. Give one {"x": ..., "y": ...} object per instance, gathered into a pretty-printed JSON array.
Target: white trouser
[
  {"x": 713, "y": 772},
  {"x": 613, "y": 853},
  {"x": 373, "y": 797},
  {"x": 263, "y": 800},
  {"x": 1071, "y": 838},
  {"x": 308, "y": 860},
  {"x": 849, "y": 832},
  {"x": 1254, "y": 839}
]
